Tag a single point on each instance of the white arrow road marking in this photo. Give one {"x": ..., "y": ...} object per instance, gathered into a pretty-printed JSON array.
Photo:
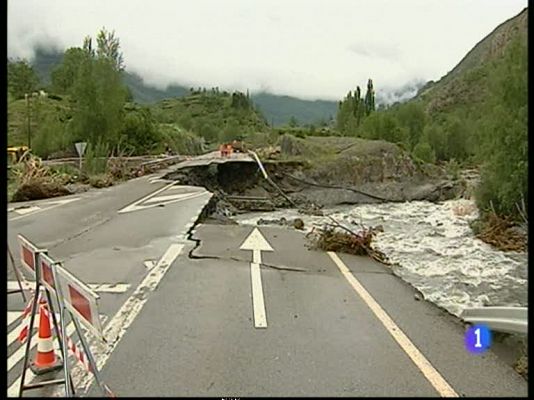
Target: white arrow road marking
[
  {"x": 36, "y": 209},
  {"x": 257, "y": 243},
  {"x": 97, "y": 287},
  {"x": 428, "y": 370}
]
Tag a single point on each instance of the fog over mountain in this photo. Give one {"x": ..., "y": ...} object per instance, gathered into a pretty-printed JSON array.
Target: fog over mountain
[{"x": 311, "y": 49}]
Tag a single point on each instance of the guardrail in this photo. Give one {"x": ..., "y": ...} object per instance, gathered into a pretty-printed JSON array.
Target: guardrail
[{"x": 501, "y": 319}]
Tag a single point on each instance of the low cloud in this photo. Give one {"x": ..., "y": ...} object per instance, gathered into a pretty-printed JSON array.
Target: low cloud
[{"x": 311, "y": 49}]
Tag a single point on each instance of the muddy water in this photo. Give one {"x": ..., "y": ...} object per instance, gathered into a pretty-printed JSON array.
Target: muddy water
[{"x": 433, "y": 248}]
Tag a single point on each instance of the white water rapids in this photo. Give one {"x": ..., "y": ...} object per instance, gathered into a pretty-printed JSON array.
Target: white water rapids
[{"x": 432, "y": 247}]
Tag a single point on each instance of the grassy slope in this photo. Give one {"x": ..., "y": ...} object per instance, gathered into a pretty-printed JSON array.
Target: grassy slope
[
  {"x": 17, "y": 114},
  {"x": 211, "y": 109}
]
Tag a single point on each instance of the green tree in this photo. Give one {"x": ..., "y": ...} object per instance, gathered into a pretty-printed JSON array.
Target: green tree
[
  {"x": 424, "y": 152},
  {"x": 99, "y": 97},
  {"x": 293, "y": 123},
  {"x": 108, "y": 47},
  {"x": 437, "y": 138},
  {"x": 369, "y": 98},
  {"x": 456, "y": 139},
  {"x": 411, "y": 116},
  {"x": 139, "y": 131},
  {"x": 504, "y": 178},
  {"x": 64, "y": 75},
  {"x": 21, "y": 78}
]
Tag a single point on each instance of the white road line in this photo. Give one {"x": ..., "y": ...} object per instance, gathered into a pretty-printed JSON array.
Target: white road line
[
  {"x": 122, "y": 320},
  {"x": 109, "y": 287},
  {"x": 132, "y": 206},
  {"x": 152, "y": 205},
  {"x": 97, "y": 287},
  {"x": 27, "y": 210},
  {"x": 14, "y": 333},
  {"x": 58, "y": 203},
  {"x": 169, "y": 197},
  {"x": 156, "y": 180},
  {"x": 260, "y": 319},
  {"x": 12, "y": 316},
  {"x": 428, "y": 370}
]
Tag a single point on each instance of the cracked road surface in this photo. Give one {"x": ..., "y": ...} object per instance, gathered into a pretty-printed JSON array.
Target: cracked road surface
[
  {"x": 116, "y": 253},
  {"x": 327, "y": 334}
]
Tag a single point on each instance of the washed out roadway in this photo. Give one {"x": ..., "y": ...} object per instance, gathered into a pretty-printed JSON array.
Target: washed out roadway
[{"x": 196, "y": 335}]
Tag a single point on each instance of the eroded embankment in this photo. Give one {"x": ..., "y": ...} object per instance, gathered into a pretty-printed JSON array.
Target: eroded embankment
[{"x": 240, "y": 187}]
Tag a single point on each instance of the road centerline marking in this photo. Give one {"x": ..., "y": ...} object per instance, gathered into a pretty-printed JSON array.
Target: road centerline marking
[
  {"x": 430, "y": 373},
  {"x": 257, "y": 243}
]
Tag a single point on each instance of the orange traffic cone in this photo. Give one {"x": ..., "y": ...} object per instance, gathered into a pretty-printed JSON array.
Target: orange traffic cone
[{"x": 46, "y": 359}]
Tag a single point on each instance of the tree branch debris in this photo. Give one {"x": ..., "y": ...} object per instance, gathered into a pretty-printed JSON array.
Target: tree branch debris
[{"x": 338, "y": 238}]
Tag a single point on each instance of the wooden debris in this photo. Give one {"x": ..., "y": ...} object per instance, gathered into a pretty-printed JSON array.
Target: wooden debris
[
  {"x": 498, "y": 231},
  {"x": 36, "y": 181},
  {"x": 338, "y": 238}
]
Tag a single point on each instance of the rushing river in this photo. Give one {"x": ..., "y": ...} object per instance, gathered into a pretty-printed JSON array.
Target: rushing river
[{"x": 432, "y": 247}]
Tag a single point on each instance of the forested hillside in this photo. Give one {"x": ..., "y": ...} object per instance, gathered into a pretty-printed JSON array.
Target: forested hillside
[{"x": 475, "y": 115}]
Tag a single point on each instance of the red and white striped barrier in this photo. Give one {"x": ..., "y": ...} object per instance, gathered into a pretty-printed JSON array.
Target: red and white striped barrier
[
  {"x": 79, "y": 354},
  {"x": 25, "y": 326}
]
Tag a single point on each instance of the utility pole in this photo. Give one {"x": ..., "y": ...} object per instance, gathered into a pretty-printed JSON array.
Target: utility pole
[{"x": 28, "y": 119}]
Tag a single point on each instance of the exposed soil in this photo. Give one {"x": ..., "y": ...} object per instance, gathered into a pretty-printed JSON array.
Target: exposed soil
[{"x": 240, "y": 187}]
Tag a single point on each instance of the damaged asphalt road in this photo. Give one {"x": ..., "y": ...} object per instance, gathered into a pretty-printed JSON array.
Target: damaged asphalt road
[
  {"x": 196, "y": 334},
  {"x": 336, "y": 325}
]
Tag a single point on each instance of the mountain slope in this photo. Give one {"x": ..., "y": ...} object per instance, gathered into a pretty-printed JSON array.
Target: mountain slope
[
  {"x": 279, "y": 109},
  {"x": 467, "y": 82}
]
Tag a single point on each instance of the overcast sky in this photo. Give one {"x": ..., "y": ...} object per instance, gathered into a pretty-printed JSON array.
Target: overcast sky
[{"x": 305, "y": 48}]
